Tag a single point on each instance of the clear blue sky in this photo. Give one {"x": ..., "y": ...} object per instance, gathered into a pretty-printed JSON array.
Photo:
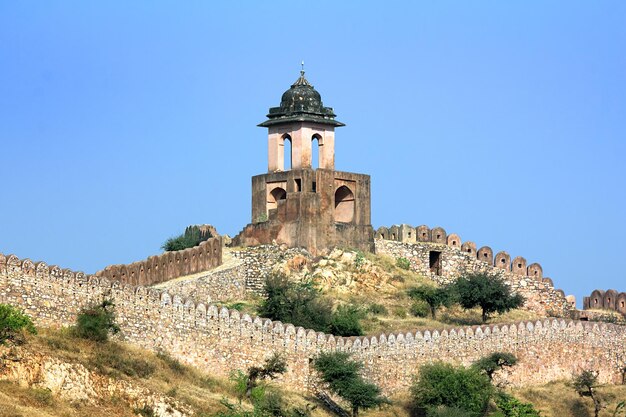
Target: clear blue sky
[{"x": 504, "y": 122}]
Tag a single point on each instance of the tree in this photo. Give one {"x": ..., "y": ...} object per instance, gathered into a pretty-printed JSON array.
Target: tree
[
  {"x": 435, "y": 297},
  {"x": 273, "y": 366},
  {"x": 12, "y": 323},
  {"x": 444, "y": 385},
  {"x": 490, "y": 292},
  {"x": 344, "y": 379},
  {"x": 492, "y": 363},
  {"x": 585, "y": 385},
  {"x": 95, "y": 322}
]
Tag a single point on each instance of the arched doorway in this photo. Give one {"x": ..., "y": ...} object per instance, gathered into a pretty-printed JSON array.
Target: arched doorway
[
  {"x": 274, "y": 197},
  {"x": 344, "y": 205}
]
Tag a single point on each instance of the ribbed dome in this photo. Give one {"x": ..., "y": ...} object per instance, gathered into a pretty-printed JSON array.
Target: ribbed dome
[
  {"x": 301, "y": 97},
  {"x": 301, "y": 103}
]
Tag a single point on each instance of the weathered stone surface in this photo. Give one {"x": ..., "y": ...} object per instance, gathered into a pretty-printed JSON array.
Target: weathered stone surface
[{"x": 220, "y": 340}]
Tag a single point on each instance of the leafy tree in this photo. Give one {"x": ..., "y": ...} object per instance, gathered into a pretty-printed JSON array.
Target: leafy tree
[
  {"x": 344, "y": 379},
  {"x": 346, "y": 321},
  {"x": 490, "y": 292},
  {"x": 12, "y": 323},
  {"x": 492, "y": 363},
  {"x": 585, "y": 385},
  {"x": 273, "y": 366},
  {"x": 435, "y": 297},
  {"x": 444, "y": 385},
  {"x": 95, "y": 322}
]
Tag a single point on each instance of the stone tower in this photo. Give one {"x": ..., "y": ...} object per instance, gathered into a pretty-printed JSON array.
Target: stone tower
[{"x": 296, "y": 203}]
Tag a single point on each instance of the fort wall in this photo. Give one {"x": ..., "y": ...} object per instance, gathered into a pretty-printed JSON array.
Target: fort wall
[
  {"x": 169, "y": 265},
  {"x": 606, "y": 300},
  {"x": 221, "y": 340},
  {"x": 444, "y": 258}
]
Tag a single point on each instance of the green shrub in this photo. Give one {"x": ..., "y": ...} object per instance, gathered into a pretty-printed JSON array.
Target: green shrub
[
  {"x": 95, "y": 322},
  {"x": 192, "y": 236},
  {"x": 512, "y": 407},
  {"x": 420, "y": 308},
  {"x": 42, "y": 396},
  {"x": 435, "y": 297},
  {"x": 403, "y": 263},
  {"x": 359, "y": 259},
  {"x": 377, "y": 309},
  {"x": 346, "y": 321},
  {"x": 441, "y": 384},
  {"x": 13, "y": 323}
]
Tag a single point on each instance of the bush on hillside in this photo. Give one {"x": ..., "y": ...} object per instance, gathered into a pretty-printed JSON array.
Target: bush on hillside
[
  {"x": 403, "y": 263},
  {"x": 445, "y": 385},
  {"x": 13, "y": 322},
  {"x": 435, "y": 297},
  {"x": 346, "y": 321},
  {"x": 301, "y": 304},
  {"x": 512, "y": 407},
  {"x": 95, "y": 322}
]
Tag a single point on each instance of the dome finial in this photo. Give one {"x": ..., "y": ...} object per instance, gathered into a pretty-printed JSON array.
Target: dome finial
[{"x": 302, "y": 70}]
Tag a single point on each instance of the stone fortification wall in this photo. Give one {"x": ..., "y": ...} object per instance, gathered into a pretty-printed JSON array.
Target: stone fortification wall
[
  {"x": 169, "y": 265},
  {"x": 219, "y": 340},
  {"x": 443, "y": 258},
  {"x": 607, "y": 300},
  {"x": 245, "y": 270}
]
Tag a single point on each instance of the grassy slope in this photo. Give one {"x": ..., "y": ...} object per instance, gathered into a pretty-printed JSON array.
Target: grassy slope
[{"x": 204, "y": 393}]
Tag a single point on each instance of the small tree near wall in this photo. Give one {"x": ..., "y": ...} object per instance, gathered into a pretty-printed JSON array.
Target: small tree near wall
[{"x": 487, "y": 291}]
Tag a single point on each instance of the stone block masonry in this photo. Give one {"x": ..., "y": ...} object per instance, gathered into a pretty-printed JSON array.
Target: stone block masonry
[{"x": 220, "y": 340}]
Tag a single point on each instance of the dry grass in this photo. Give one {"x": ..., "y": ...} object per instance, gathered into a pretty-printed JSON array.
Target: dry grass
[{"x": 557, "y": 399}]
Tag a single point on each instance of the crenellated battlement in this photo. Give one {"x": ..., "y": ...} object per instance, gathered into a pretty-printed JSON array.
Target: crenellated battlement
[
  {"x": 444, "y": 258},
  {"x": 220, "y": 340},
  {"x": 169, "y": 265}
]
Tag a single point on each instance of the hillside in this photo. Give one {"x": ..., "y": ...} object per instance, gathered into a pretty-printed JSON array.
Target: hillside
[{"x": 377, "y": 285}]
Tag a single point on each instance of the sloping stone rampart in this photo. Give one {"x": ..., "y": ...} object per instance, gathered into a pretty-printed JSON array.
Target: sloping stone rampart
[
  {"x": 221, "y": 340},
  {"x": 168, "y": 265},
  {"x": 539, "y": 293}
]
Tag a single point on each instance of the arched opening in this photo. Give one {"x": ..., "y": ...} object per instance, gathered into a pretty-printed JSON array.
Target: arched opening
[
  {"x": 316, "y": 150},
  {"x": 344, "y": 205},
  {"x": 287, "y": 153},
  {"x": 274, "y": 197}
]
